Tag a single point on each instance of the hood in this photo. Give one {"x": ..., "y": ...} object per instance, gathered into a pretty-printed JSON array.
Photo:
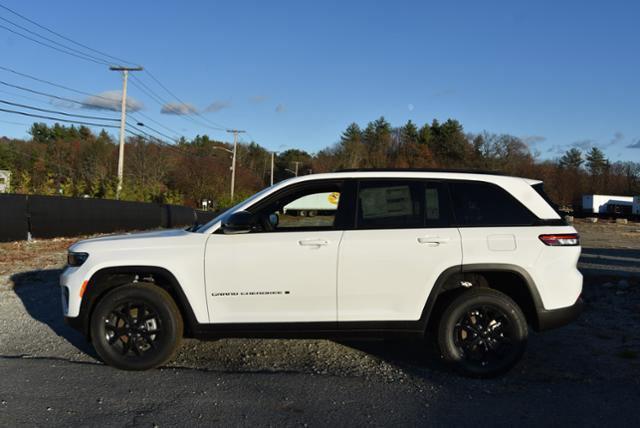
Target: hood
[{"x": 138, "y": 240}]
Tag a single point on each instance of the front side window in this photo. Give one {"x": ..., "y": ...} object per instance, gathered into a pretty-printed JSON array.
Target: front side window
[
  {"x": 478, "y": 203},
  {"x": 312, "y": 208}
]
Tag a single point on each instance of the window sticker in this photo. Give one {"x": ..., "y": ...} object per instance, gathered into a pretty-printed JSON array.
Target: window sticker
[{"x": 379, "y": 202}]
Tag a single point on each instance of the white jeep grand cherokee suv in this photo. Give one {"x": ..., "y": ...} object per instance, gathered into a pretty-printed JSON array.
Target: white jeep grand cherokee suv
[{"x": 474, "y": 258}]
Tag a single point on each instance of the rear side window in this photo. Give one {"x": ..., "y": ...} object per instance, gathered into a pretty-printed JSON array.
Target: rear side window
[
  {"x": 397, "y": 204},
  {"x": 485, "y": 204}
]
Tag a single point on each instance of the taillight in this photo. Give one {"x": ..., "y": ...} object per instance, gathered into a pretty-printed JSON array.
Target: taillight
[{"x": 561, "y": 240}]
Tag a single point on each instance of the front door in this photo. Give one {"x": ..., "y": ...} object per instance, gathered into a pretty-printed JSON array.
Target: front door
[{"x": 284, "y": 271}]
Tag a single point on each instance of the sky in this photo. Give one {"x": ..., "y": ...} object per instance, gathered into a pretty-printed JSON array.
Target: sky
[{"x": 295, "y": 74}]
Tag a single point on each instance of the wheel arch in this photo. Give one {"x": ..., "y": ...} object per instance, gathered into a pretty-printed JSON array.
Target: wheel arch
[
  {"x": 492, "y": 275},
  {"x": 109, "y": 278}
]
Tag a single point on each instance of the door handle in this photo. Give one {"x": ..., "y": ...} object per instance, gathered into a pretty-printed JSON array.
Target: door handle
[
  {"x": 433, "y": 241},
  {"x": 313, "y": 242}
]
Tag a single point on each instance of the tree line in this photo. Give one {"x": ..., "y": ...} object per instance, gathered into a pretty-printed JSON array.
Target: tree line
[{"x": 74, "y": 161}]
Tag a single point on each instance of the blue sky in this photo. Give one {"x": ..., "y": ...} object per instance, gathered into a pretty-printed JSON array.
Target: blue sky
[{"x": 295, "y": 74}]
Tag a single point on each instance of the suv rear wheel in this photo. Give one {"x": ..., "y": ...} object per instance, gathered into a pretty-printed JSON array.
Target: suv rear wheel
[
  {"x": 482, "y": 332},
  {"x": 136, "y": 327}
]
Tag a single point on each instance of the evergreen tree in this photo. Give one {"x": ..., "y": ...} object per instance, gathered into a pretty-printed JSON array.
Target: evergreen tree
[
  {"x": 572, "y": 159},
  {"x": 597, "y": 163}
]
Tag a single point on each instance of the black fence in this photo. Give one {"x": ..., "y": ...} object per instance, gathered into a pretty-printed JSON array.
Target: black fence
[{"x": 53, "y": 216}]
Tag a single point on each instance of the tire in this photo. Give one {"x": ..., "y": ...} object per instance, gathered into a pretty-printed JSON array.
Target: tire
[
  {"x": 125, "y": 339},
  {"x": 482, "y": 333}
]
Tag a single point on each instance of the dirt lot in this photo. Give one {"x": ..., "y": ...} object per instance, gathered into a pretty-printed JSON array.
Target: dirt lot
[{"x": 587, "y": 372}]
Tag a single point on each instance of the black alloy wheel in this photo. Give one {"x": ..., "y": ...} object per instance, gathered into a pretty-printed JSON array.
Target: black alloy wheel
[
  {"x": 483, "y": 333},
  {"x": 136, "y": 327},
  {"x": 133, "y": 328}
]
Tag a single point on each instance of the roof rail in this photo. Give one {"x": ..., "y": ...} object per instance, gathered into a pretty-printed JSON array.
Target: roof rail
[{"x": 458, "y": 170}]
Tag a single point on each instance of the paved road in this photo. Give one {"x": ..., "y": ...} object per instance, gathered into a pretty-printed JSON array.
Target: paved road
[{"x": 61, "y": 393}]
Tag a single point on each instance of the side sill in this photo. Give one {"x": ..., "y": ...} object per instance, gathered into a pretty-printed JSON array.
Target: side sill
[{"x": 310, "y": 330}]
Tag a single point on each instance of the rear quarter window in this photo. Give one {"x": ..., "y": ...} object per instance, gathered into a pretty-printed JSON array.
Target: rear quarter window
[
  {"x": 539, "y": 188},
  {"x": 484, "y": 204}
]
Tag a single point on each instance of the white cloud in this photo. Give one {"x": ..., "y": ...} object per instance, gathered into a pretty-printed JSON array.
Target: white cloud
[
  {"x": 178, "y": 109},
  {"x": 218, "y": 105},
  {"x": 111, "y": 100}
]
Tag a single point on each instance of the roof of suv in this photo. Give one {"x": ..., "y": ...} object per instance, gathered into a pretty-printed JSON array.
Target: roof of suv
[
  {"x": 453, "y": 174},
  {"x": 458, "y": 170}
]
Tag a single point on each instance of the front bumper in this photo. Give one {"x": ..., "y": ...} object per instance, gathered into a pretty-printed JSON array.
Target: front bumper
[{"x": 548, "y": 319}]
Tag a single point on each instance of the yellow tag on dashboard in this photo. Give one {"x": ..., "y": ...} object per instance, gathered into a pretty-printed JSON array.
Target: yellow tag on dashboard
[{"x": 333, "y": 198}]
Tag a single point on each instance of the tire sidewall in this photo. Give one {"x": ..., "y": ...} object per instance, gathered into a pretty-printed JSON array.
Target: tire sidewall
[{"x": 169, "y": 320}]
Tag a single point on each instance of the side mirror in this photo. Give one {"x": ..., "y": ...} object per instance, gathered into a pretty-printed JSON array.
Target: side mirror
[
  {"x": 239, "y": 222},
  {"x": 274, "y": 219}
]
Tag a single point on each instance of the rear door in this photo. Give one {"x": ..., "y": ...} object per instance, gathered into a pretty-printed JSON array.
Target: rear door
[{"x": 401, "y": 243}]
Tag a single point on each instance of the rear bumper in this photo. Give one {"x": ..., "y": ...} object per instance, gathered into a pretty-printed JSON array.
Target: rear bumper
[{"x": 548, "y": 319}]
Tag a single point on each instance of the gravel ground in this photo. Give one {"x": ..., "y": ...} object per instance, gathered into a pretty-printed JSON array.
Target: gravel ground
[{"x": 587, "y": 372}]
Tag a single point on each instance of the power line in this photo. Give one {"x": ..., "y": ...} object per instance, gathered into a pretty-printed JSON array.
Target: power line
[
  {"x": 158, "y": 141},
  {"x": 53, "y": 47},
  {"x": 64, "y": 37},
  {"x": 66, "y": 49},
  {"x": 57, "y": 112},
  {"x": 157, "y": 123},
  {"x": 89, "y": 57},
  {"x": 155, "y": 130},
  {"x": 78, "y": 122},
  {"x": 221, "y": 127},
  {"x": 33, "y": 91},
  {"x": 164, "y": 103},
  {"x": 57, "y": 85},
  {"x": 144, "y": 88},
  {"x": 24, "y": 97}
]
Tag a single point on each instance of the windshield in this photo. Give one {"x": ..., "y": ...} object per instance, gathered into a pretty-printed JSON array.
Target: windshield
[{"x": 222, "y": 216}]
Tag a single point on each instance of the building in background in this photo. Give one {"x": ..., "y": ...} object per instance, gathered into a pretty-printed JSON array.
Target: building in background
[{"x": 5, "y": 180}]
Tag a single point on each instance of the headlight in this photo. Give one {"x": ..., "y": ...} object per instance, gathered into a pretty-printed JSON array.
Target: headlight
[{"x": 76, "y": 259}]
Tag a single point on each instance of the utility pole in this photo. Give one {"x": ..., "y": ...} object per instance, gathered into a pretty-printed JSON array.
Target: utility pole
[
  {"x": 297, "y": 163},
  {"x": 235, "y": 133},
  {"x": 273, "y": 155},
  {"x": 123, "y": 122}
]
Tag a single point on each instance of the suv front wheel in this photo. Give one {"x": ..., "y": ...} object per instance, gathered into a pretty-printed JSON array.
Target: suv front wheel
[
  {"x": 136, "y": 327},
  {"x": 482, "y": 332}
]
